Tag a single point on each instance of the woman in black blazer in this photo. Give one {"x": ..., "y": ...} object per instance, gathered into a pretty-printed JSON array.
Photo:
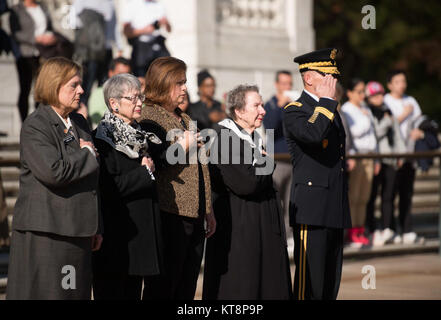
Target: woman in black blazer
[{"x": 131, "y": 249}]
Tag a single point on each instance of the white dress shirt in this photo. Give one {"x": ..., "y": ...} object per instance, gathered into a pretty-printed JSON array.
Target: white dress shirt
[
  {"x": 314, "y": 96},
  {"x": 68, "y": 125}
]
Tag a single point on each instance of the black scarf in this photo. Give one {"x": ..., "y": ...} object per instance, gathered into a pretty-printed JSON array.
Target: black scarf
[{"x": 378, "y": 113}]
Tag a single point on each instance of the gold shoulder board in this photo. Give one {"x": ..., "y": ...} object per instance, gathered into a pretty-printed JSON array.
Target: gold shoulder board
[{"x": 295, "y": 103}]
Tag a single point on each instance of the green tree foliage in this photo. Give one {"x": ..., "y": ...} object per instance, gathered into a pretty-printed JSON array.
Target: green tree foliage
[{"x": 407, "y": 36}]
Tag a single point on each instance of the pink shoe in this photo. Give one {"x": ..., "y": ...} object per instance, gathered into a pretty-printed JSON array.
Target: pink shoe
[
  {"x": 362, "y": 238},
  {"x": 352, "y": 239}
]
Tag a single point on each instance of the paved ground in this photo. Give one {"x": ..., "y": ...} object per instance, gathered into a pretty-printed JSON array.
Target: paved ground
[
  {"x": 397, "y": 278},
  {"x": 404, "y": 277}
]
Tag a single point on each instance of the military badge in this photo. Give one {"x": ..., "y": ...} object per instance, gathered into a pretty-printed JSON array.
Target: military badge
[{"x": 333, "y": 54}]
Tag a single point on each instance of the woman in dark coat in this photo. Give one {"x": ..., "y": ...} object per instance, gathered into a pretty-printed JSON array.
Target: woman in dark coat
[
  {"x": 56, "y": 218},
  {"x": 247, "y": 256},
  {"x": 131, "y": 249}
]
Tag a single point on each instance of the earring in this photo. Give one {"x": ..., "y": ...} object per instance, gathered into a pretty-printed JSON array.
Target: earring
[{"x": 116, "y": 110}]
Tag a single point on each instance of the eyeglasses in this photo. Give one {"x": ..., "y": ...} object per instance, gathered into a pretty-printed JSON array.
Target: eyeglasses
[{"x": 133, "y": 99}]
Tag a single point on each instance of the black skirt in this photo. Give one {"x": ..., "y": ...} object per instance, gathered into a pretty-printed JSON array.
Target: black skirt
[{"x": 49, "y": 267}]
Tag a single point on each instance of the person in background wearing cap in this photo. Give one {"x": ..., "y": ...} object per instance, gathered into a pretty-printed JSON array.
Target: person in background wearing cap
[
  {"x": 319, "y": 206},
  {"x": 389, "y": 140},
  {"x": 361, "y": 127},
  {"x": 207, "y": 111}
]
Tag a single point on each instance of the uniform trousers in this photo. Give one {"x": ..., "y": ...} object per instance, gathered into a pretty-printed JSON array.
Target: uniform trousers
[{"x": 318, "y": 256}]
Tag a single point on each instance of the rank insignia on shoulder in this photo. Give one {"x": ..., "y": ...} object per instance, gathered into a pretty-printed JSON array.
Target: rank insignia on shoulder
[
  {"x": 325, "y": 143},
  {"x": 295, "y": 103}
]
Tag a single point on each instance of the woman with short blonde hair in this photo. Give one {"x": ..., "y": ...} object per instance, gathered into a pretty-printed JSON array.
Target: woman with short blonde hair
[{"x": 56, "y": 221}]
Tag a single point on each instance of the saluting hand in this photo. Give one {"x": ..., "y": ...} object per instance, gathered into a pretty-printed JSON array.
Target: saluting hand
[{"x": 327, "y": 87}]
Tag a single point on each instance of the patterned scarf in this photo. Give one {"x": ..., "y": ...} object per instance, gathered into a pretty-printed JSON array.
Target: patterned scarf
[{"x": 128, "y": 139}]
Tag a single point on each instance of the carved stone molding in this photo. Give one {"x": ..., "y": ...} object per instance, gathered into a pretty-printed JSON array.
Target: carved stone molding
[{"x": 251, "y": 13}]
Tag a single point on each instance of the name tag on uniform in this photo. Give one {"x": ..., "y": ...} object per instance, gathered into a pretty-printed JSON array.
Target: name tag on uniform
[{"x": 68, "y": 138}]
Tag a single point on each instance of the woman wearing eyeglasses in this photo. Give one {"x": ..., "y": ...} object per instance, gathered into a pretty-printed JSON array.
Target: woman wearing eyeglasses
[
  {"x": 129, "y": 206},
  {"x": 361, "y": 128}
]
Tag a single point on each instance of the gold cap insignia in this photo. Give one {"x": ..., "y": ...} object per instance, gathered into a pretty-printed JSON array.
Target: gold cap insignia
[
  {"x": 325, "y": 143},
  {"x": 333, "y": 54}
]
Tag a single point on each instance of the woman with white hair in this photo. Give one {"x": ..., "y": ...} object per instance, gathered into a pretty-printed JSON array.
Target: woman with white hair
[
  {"x": 247, "y": 258},
  {"x": 129, "y": 206}
]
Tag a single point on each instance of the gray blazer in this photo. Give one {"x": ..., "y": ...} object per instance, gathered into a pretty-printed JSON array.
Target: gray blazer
[
  {"x": 58, "y": 179},
  {"x": 23, "y": 27}
]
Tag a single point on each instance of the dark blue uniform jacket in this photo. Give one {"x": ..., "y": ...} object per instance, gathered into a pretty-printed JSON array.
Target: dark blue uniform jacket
[{"x": 316, "y": 141}]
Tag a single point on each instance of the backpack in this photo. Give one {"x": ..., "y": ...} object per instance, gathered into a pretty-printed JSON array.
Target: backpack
[
  {"x": 90, "y": 39},
  {"x": 429, "y": 142}
]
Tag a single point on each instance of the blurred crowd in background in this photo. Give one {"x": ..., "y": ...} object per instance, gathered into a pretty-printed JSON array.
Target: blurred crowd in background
[{"x": 377, "y": 119}]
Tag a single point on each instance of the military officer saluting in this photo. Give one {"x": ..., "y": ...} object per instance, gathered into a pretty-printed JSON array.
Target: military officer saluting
[{"x": 319, "y": 208}]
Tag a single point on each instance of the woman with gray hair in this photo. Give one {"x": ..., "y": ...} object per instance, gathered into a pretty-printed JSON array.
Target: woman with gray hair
[
  {"x": 131, "y": 251},
  {"x": 247, "y": 256}
]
